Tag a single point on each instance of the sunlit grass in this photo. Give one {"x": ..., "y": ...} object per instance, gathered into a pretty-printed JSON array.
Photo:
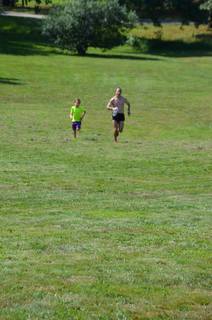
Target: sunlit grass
[
  {"x": 188, "y": 33},
  {"x": 93, "y": 230}
]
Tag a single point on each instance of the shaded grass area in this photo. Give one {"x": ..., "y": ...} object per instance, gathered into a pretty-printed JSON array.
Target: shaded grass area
[
  {"x": 20, "y": 36},
  {"x": 177, "y": 48},
  {"x": 9, "y": 81},
  {"x": 93, "y": 230},
  {"x": 175, "y": 40}
]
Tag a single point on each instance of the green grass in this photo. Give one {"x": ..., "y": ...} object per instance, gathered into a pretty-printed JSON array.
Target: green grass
[
  {"x": 174, "y": 32},
  {"x": 90, "y": 229}
]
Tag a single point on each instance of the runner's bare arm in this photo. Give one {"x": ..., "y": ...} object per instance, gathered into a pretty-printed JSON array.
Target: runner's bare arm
[
  {"x": 83, "y": 115},
  {"x": 129, "y": 107},
  {"x": 110, "y": 105}
]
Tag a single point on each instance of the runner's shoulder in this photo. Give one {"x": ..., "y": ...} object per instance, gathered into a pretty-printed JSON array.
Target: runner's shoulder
[{"x": 125, "y": 100}]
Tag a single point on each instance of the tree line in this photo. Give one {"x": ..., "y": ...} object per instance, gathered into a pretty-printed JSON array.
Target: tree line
[
  {"x": 79, "y": 24},
  {"x": 197, "y": 11}
]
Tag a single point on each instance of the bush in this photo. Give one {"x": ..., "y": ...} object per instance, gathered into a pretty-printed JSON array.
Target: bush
[
  {"x": 82, "y": 23},
  {"x": 138, "y": 44}
]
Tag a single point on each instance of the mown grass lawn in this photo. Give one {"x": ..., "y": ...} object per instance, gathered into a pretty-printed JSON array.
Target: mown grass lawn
[{"x": 90, "y": 229}]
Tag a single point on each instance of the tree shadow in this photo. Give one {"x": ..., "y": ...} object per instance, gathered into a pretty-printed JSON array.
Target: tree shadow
[
  {"x": 204, "y": 37},
  {"x": 124, "y": 56},
  {"x": 202, "y": 47},
  {"x": 12, "y": 81},
  {"x": 21, "y": 36},
  {"x": 23, "y": 48}
]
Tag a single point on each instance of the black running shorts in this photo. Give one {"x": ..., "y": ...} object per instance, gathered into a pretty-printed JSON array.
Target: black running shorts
[{"x": 119, "y": 117}]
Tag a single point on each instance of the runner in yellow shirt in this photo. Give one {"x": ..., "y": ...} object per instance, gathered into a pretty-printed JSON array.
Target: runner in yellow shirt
[{"x": 77, "y": 114}]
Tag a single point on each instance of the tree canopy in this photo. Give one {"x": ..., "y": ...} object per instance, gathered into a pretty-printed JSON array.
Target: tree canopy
[
  {"x": 197, "y": 11},
  {"x": 83, "y": 23},
  {"x": 186, "y": 10},
  {"x": 208, "y": 7}
]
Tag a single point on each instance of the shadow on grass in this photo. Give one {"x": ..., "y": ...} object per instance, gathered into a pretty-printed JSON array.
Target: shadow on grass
[
  {"x": 179, "y": 48},
  {"x": 205, "y": 37},
  {"x": 12, "y": 81},
  {"x": 21, "y": 36},
  {"x": 123, "y": 56}
]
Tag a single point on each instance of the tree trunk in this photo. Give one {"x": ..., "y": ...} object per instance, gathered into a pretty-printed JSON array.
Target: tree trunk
[
  {"x": 210, "y": 20},
  {"x": 81, "y": 50}
]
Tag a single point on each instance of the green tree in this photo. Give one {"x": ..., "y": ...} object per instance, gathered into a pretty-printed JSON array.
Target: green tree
[
  {"x": 24, "y": 3},
  {"x": 186, "y": 10},
  {"x": 82, "y": 23},
  {"x": 38, "y": 4},
  {"x": 208, "y": 7},
  {"x": 152, "y": 9},
  {"x": 8, "y": 3}
]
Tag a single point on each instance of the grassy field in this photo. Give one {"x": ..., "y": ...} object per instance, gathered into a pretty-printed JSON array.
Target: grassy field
[
  {"x": 96, "y": 230},
  {"x": 174, "y": 32}
]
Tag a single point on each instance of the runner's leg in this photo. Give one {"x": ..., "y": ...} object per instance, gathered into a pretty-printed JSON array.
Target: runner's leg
[
  {"x": 74, "y": 129},
  {"x": 121, "y": 126},
  {"x": 116, "y": 130},
  {"x": 78, "y": 127}
]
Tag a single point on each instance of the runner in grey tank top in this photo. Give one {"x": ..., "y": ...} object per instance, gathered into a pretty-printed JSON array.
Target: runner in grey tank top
[{"x": 116, "y": 105}]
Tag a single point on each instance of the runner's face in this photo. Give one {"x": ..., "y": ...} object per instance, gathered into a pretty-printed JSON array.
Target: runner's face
[{"x": 118, "y": 92}]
